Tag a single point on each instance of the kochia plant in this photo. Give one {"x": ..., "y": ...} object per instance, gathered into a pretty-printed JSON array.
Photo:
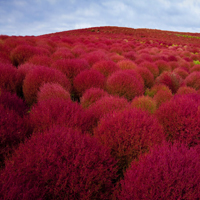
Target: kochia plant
[
  {"x": 168, "y": 172},
  {"x": 59, "y": 164}
]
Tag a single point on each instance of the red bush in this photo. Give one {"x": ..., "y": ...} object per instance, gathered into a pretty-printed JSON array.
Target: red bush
[
  {"x": 186, "y": 90},
  {"x": 59, "y": 164},
  {"x": 193, "y": 80},
  {"x": 126, "y": 64},
  {"x": 71, "y": 67},
  {"x": 105, "y": 105},
  {"x": 92, "y": 95},
  {"x": 41, "y": 60},
  {"x": 87, "y": 79},
  {"x": 51, "y": 90},
  {"x": 37, "y": 77},
  {"x": 128, "y": 133},
  {"x": 62, "y": 53},
  {"x": 151, "y": 67},
  {"x": 22, "y": 53},
  {"x": 195, "y": 68},
  {"x": 170, "y": 79},
  {"x": 126, "y": 83},
  {"x": 181, "y": 72},
  {"x": 8, "y": 77},
  {"x": 146, "y": 75},
  {"x": 106, "y": 67},
  {"x": 13, "y": 130},
  {"x": 162, "y": 66},
  {"x": 168, "y": 172},
  {"x": 145, "y": 103},
  {"x": 59, "y": 111},
  {"x": 180, "y": 118}
]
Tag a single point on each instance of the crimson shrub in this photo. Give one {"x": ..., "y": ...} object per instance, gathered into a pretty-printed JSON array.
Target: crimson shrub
[
  {"x": 168, "y": 172},
  {"x": 59, "y": 164},
  {"x": 128, "y": 133},
  {"x": 37, "y": 77},
  {"x": 193, "y": 80}
]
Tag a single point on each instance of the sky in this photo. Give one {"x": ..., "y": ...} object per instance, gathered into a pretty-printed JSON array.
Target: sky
[{"x": 38, "y": 17}]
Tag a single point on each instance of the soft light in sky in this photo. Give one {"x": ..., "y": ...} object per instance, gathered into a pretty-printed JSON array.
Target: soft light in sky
[{"x": 37, "y": 17}]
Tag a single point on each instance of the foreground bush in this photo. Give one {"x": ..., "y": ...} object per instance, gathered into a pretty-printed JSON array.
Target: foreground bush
[
  {"x": 167, "y": 172},
  {"x": 128, "y": 134},
  {"x": 180, "y": 118},
  {"x": 13, "y": 130},
  {"x": 125, "y": 83},
  {"x": 37, "y": 77},
  {"x": 58, "y": 111},
  {"x": 59, "y": 164}
]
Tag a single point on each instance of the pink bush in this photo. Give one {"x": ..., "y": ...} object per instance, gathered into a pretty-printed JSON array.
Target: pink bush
[
  {"x": 180, "y": 118},
  {"x": 41, "y": 60},
  {"x": 145, "y": 103},
  {"x": 92, "y": 95},
  {"x": 128, "y": 133},
  {"x": 37, "y": 77},
  {"x": 51, "y": 90},
  {"x": 8, "y": 77},
  {"x": 21, "y": 54},
  {"x": 186, "y": 90},
  {"x": 151, "y": 67},
  {"x": 105, "y": 105},
  {"x": 125, "y": 83},
  {"x": 62, "y": 53},
  {"x": 106, "y": 67},
  {"x": 126, "y": 64},
  {"x": 13, "y": 130},
  {"x": 170, "y": 79},
  {"x": 193, "y": 80},
  {"x": 146, "y": 75},
  {"x": 70, "y": 67},
  {"x": 87, "y": 79},
  {"x": 61, "y": 112},
  {"x": 168, "y": 172},
  {"x": 162, "y": 66},
  {"x": 181, "y": 72},
  {"x": 59, "y": 164}
]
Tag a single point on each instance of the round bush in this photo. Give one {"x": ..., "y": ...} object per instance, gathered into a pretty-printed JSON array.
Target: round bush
[
  {"x": 59, "y": 164},
  {"x": 145, "y": 103},
  {"x": 171, "y": 79},
  {"x": 87, "y": 79},
  {"x": 180, "y": 118},
  {"x": 92, "y": 95},
  {"x": 168, "y": 172},
  {"x": 151, "y": 67},
  {"x": 126, "y": 64},
  {"x": 71, "y": 67},
  {"x": 193, "y": 80},
  {"x": 181, "y": 72},
  {"x": 8, "y": 77},
  {"x": 128, "y": 133},
  {"x": 37, "y": 77},
  {"x": 59, "y": 111},
  {"x": 41, "y": 60},
  {"x": 51, "y": 90},
  {"x": 106, "y": 67},
  {"x": 126, "y": 83},
  {"x": 186, "y": 90},
  {"x": 13, "y": 130}
]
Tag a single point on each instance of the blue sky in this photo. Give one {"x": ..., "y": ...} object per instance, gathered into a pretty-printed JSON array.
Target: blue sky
[{"x": 37, "y": 17}]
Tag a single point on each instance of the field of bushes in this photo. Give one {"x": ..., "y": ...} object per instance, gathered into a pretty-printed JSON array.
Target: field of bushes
[{"x": 103, "y": 113}]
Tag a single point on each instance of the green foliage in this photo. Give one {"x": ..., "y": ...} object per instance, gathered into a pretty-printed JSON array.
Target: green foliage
[{"x": 196, "y": 62}]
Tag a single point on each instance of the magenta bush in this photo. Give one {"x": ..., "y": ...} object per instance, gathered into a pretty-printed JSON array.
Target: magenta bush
[
  {"x": 13, "y": 130},
  {"x": 52, "y": 90},
  {"x": 106, "y": 67},
  {"x": 151, "y": 67},
  {"x": 59, "y": 111},
  {"x": 125, "y": 83},
  {"x": 8, "y": 77},
  {"x": 193, "y": 80},
  {"x": 71, "y": 67},
  {"x": 170, "y": 79},
  {"x": 59, "y": 164},
  {"x": 37, "y": 77},
  {"x": 41, "y": 60},
  {"x": 128, "y": 134},
  {"x": 88, "y": 79},
  {"x": 180, "y": 118},
  {"x": 92, "y": 95},
  {"x": 168, "y": 172}
]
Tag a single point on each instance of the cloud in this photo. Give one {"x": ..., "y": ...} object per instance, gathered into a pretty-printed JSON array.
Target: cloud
[{"x": 27, "y": 17}]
